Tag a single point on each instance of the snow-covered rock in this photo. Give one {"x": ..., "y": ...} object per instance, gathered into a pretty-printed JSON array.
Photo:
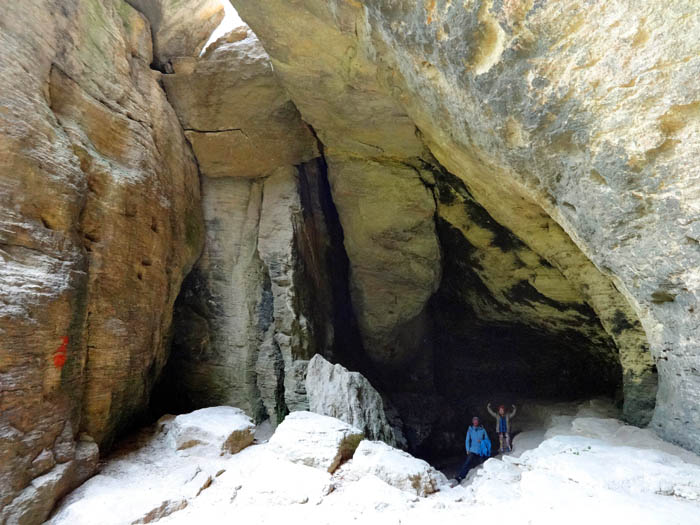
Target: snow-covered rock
[
  {"x": 275, "y": 482},
  {"x": 145, "y": 480},
  {"x": 334, "y": 391},
  {"x": 583, "y": 472},
  {"x": 223, "y": 430},
  {"x": 369, "y": 493},
  {"x": 315, "y": 440},
  {"x": 397, "y": 468}
]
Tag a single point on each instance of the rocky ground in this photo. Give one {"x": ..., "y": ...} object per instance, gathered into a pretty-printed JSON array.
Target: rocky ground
[{"x": 585, "y": 468}]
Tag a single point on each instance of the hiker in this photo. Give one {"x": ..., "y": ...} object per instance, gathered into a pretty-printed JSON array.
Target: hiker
[
  {"x": 502, "y": 424},
  {"x": 478, "y": 447}
]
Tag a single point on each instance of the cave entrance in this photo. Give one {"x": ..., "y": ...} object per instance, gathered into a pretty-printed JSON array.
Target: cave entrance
[{"x": 509, "y": 325}]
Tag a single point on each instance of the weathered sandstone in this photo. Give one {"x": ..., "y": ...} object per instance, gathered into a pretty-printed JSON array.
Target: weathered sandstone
[
  {"x": 100, "y": 222},
  {"x": 180, "y": 29},
  {"x": 571, "y": 126},
  {"x": 260, "y": 302},
  {"x": 333, "y": 390}
]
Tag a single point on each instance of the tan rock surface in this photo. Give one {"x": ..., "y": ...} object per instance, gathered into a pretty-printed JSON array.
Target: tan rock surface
[
  {"x": 100, "y": 223},
  {"x": 180, "y": 29},
  {"x": 238, "y": 118},
  {"x": 367, "y": 139},
  {"x": 248, "y": 320},
  {"x": 572, "y": 126},
  {"x": 387, "y": 217}
]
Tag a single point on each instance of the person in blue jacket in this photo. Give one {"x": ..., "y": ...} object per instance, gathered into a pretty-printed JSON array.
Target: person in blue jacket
[{"x": 478, "y": 447}]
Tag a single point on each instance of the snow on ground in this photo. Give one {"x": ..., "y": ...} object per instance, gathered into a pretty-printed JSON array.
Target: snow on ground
[{"x": 582, "y": 468}]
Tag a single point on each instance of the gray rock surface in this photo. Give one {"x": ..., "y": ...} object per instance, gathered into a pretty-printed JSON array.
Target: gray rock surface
[
  {"x": 248, "y": 319},
  {"x": 333, "y": 390}
]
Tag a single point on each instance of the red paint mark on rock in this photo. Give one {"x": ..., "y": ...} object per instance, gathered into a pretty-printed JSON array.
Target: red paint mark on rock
[{"x": 59, "y": 358}]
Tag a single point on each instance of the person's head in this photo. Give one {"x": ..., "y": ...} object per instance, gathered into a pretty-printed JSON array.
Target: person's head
[
  {"x": 501, "y": 410},
  {"x": 475, "y": 421}
]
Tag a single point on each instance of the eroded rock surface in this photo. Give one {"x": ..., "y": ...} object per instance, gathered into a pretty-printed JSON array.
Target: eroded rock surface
[
  {"x": 538, "y": 117},
  {"x": 333, "y": 390},
  {"x": 100, "y": 223},
  {"x": 263, "y": 298},
  {"x": 180, "y": 29},
  {"x": 371, "y": 145},
  {"x": 238, "y": 118}
]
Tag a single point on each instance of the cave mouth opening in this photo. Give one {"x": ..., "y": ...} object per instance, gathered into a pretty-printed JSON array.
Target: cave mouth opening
[
  {"x": 508, "y": 327},
  {"x": 503, "y": 327},
  {"x": 482, "y": 363}
]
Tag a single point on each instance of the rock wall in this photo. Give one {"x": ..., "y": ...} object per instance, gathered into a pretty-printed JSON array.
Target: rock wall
[
  {"x": 572, "y": 126},
  {"x": 369, "y": 143},
  {"x": 484, "y": 182},
  {"x": 262, "y": 299},
  {"x": 101, "y": 221},
  {"x": 179, "y": 29},
  {"x": 565, "y": 89}
]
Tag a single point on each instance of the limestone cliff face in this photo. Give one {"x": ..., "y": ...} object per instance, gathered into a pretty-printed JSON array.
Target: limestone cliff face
[
  {"x": 572, "y": 126},
  {"x": 100, "y": 223}
]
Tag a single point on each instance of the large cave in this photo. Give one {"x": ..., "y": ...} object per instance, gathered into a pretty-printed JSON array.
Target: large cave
[
  {"x": 333, "y": 228},
  {"x": 503, "y": 325},
  {"x": 463, "y": 202},
  {"x": 338, "y": 231}
]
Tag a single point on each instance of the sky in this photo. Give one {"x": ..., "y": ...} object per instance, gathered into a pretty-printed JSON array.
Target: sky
[{"x": 231, "y": 21}]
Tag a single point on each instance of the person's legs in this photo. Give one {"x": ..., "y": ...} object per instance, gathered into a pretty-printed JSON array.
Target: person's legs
[
  {"x": 500, "y": 441},
  {"x": 507, "y": 441},
  {"x": 471, "y": 458}
]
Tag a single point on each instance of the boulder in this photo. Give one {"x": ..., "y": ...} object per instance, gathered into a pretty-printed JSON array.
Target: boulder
[
  {"x": 334, "y": 391},
  {"x": 239, "y": 120},
  {"x": 315, "y": 440},
  {"x": 180, "y": 28},
  {"x": 281, "y": 483},
  {"x": 225, "y": 430},
  {"x": 396, "y": 467}
]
